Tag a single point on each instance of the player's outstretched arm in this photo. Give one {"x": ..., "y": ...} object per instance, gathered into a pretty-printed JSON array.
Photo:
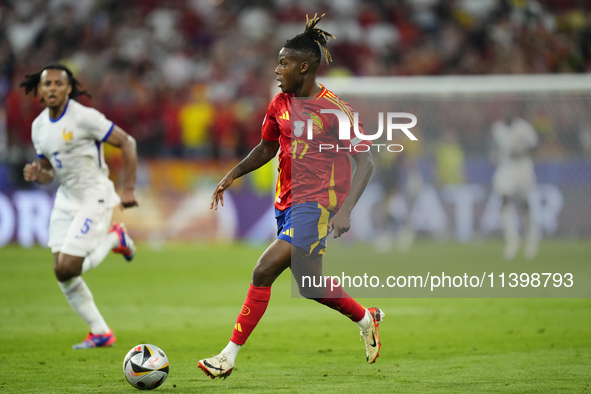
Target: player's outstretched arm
[
  {"x": 41, "y": 172},
  {"x": 126, "y": 143},
  {"x": 259, "y": 156},
  {"x": 341, "y": 222}
]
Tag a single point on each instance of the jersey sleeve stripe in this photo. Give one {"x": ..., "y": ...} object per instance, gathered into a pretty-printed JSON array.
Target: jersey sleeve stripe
[
  {"x": 41, "y": 156},
  {"x": 322, "y": 92},
  {"x": 106, "y": 137},
  {"x": 342, "y": 106}
]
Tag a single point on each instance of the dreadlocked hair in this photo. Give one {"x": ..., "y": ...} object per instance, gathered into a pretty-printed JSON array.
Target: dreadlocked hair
[
  {"x": 31, "y": 81},
  {"x": 308, "y": 41}
]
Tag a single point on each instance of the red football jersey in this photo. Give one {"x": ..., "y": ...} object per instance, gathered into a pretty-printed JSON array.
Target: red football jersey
[{"x": 314, "y": 164}]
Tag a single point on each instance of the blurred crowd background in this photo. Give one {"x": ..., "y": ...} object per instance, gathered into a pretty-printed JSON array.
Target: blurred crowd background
[{"x": 191, "y": 78}]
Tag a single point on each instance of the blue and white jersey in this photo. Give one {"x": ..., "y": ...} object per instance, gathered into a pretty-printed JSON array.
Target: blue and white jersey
[{"x": 73, "y": 144}]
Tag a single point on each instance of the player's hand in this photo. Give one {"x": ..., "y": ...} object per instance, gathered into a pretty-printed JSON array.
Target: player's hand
[
  {"x": 31, "y": 171},
  {"x": 218, "y": 194},
  {"x": 340, "y": 223},
  {"x": 128, "y": 200}
]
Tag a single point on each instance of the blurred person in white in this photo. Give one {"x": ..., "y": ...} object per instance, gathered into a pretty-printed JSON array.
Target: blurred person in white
[
  {"x": 514, "y": 179},
  {"x": 68, "y": 138},
  {"x": 23, "y": 24}
]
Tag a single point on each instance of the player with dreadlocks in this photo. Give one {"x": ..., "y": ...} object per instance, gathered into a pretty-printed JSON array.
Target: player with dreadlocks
[
  {"x": 315, "y": 194},
  {"x": 68, "y": 138}
]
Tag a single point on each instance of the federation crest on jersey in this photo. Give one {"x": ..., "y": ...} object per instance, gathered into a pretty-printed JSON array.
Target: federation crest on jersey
[
  {"x": 317, "y": 123},
  {"x": 298, "y": 128},
  {"x": 67, "y": 136}
]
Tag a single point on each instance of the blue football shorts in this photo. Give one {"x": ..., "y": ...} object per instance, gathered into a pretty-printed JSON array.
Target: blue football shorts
[{"x": 305, "y": 226}]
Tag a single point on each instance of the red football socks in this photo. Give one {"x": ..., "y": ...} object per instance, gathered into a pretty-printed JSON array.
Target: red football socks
[
  {"x": 253, "y": 309},
  {"x": 337, "y": 299}
]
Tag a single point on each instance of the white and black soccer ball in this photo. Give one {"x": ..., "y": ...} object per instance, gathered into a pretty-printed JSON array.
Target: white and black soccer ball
[{"x": 145, "y": 367}]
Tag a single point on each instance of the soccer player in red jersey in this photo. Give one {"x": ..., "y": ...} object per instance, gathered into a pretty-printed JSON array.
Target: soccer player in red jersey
[{"x": 315, "y": 193}]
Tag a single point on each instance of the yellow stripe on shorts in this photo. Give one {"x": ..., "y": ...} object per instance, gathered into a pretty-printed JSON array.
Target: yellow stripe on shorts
[{"x": 322, "y": 227}]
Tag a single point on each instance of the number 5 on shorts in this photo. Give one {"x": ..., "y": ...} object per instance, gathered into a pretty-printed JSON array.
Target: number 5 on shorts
[{"x": 86, "y": 226}]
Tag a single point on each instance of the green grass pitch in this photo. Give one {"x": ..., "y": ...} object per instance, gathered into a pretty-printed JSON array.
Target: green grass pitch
[{"x": 185, "y": 300}]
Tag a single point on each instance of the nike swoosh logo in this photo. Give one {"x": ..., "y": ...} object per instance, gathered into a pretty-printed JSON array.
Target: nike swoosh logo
[
  {"x": 208, "y": 365},
  {"x": 374, "y": 340}
]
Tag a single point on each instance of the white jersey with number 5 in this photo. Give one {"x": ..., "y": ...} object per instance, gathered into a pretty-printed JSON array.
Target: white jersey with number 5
[
  {"x": 515, "y": 174},
  {"x": 73, "y": 144}
]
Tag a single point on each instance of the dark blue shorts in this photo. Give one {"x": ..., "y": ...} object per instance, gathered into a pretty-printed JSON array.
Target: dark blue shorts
[{"x": 305, "y": 226}]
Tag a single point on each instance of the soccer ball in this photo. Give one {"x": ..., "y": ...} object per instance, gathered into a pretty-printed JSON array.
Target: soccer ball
[{"x": 145, "y": 367}]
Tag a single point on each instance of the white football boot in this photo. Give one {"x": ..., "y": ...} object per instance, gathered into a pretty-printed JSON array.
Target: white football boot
[
  {"x": 217, "y": 366},
  {"x": 372, "y": 335}
]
